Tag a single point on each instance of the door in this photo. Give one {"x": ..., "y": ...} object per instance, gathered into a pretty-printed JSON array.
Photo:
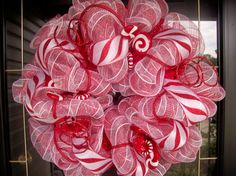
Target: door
[{"x": 21, "y": 19}]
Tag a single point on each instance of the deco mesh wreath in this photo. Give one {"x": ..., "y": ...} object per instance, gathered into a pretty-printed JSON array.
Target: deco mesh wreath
[{"x": 148, "y": 56}]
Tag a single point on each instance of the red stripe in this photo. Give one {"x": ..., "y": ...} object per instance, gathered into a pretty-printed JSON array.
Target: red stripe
[
  {"x": 120, "y": 145},
  {"x": 143, "y": 167},
  {"x": 63, "y": 43},
  {"x": 91, "y": 54},
  {"x": 28, "y": 91},
  {"x": 120, "y": 48},
  {"x": 92, "y": 160},
  {"x": 195, "y": 111},
  {"x": 186, "y": 96},
  {"x": 46, "y": 45},
  {"x": 54, "y": 110},
  {"x": 36, "y": 80},
  {"x": 44, "y": 50},
  {"x": 162, "y": 143},
  {"x": 154, "y": 58},
  {"x": 100, "y": 168},
  {"x": 184, "y": 45},
  {"x": 173, "y": 84},
  {"x": 185, "y": 130},
  {"x": 45, "y": 59},
  {"x": 176, "y": 34},
  {"x": 177, "y": 138},
  {"x": 105, "y": 51}
]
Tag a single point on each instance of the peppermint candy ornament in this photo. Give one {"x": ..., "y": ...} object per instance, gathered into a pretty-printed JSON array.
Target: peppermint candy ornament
[
  {"x": 109, "y": 51},
  {"x": 116, "y": 86},
  {"x": 141, "y": 43},
  {"x": 130, "y": 61}
]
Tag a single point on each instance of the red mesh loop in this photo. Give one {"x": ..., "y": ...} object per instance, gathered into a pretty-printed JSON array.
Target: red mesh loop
[
  {"x": 188, "y": 78},
  {"x": 71, "y": 136}
]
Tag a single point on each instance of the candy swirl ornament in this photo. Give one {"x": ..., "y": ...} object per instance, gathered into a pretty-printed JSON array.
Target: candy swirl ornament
[{"x": 141, "y": 43}]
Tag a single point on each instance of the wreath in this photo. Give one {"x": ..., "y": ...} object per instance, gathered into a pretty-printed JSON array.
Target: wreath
[{"x": 118, "y": 86}]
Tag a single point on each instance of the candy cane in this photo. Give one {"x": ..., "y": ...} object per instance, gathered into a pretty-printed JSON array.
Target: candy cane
[
  {"x": 33, "y": 77},
  {"x": 141, "y": 169},
  {"x": 84, "y": 96},
  {"x": 41, "y": 55},
  {"x": 109, "y": 51},
  {"x": 176, "y": 138},
  {"x": 194, "y": 109},
  {"x": 180, "y": 39},
  {"x": 93, "y": 161}
]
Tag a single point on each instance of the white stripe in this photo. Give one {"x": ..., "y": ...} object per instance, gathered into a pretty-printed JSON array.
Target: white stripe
[
  {"x": 139, "y": 170},
  {"x": 183, "y": 135},
  {"x": 89, "y": 154},
  {"x": 194, "y": 117},
  {"x": 125, "y": 49},
  {"x": 113, "y": 50},
  {"x": 97, "y": 51},
  {"x": 31, "y": 87},
  {"x": 95, "y": 165},
  {"x": 170, "y": 141},
  {"x": 168, "y": 32},
  {"x": 41, "y": 54},
  {"x": 183, "y": 51},
  {"x": 196, "y": 104}
]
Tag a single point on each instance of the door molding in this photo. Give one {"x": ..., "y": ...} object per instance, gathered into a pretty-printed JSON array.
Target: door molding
[
  {"x": 4, "y": 133},
  {"x": 229, "y": 80}
]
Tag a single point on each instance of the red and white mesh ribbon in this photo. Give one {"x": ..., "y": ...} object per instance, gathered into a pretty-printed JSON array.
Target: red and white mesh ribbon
[{"x": 116, "y": 86}]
